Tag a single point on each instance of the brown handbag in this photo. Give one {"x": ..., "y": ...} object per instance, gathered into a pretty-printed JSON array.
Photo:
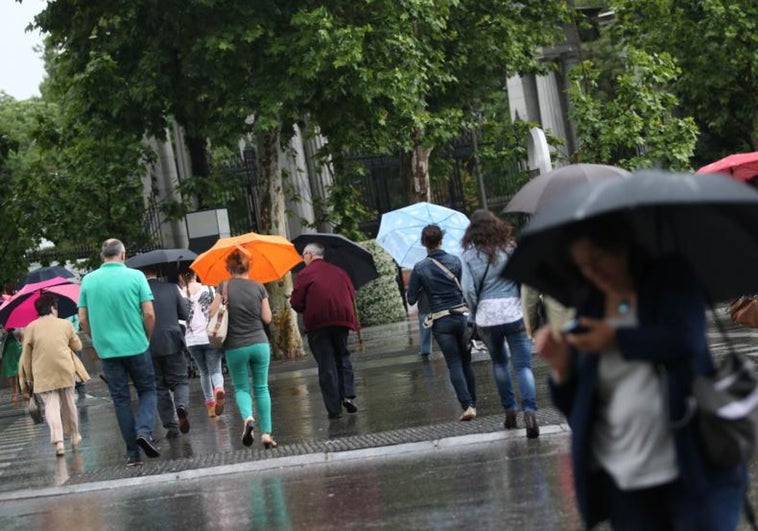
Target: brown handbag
[{"x": 744, "y": 311}]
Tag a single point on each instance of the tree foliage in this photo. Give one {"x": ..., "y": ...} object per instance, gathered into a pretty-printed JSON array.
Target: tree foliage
[
  {"x": 715, "y": 45},
  {"x": 635, "y": 125},
  {"x": 28, "y": 196}
]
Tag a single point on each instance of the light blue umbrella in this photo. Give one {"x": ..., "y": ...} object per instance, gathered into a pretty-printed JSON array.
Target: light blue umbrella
[{"x": 400, "y": 231}]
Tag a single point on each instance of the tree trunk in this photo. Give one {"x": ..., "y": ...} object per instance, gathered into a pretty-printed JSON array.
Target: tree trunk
[
  {"x": 286, "y": 341},
  {"x": 417, "y": 172}
]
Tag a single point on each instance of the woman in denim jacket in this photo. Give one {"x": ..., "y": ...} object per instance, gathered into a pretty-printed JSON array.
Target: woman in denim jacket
[
  {"x": 440, "y": 282},
  {"x": 496, "y": 309}
]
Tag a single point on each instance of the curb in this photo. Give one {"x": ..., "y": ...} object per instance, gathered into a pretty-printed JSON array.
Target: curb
[{"x": 280, "y": 463}]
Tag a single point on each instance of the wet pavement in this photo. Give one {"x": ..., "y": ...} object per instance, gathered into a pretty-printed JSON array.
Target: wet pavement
[{"x": 401, "y": 461}]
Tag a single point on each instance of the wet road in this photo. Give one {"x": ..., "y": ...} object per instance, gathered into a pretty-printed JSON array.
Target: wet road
[
  {"x": 505, "y": 484},
  {"x": 514, "y": 484}
]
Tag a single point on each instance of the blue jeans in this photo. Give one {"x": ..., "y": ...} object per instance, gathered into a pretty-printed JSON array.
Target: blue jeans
[
  {"x": 449, "y": 332},
  {"x": 424, "y": 336},
  {"x": 117, "y": 372},
  {"x": 208, "y": 361},
  {"x": 521, "y": 356},
  {"x": 672, "y": 507}
]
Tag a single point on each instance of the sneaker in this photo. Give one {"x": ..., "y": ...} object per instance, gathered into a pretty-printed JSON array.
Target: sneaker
[
  {"x": 349, "y": 405},
  {"x": 532, "y": 428},
  {"x": 220, "y": 397},
  {"x": 468, "y": 414},
  {"x": 211, "y": 407},
  {"x": 247, "y": 433},
  {"x": 184, "y": 425},
  {"x": 133, "y": 461},
  {"x": 148, "y": 446}
]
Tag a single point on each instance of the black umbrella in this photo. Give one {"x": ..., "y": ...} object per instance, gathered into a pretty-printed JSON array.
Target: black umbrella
[
  {"x": 551, "y": 185},
  {"x": 165, "y": 260},
  {"x": 357, "y": 262},
  {"x": 43, "y": 273},
  {"x": 711, "y": 220}
]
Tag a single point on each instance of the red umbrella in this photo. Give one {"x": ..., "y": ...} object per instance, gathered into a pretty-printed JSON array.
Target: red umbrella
[
  {"x": 19, "y": 311},
  {"x": 741, "y": 166}
]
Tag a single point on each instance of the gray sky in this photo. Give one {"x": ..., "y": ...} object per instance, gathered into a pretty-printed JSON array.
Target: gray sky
[{"x": 21, "y": 68}]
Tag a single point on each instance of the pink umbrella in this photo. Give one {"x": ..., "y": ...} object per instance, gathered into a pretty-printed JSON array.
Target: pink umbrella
[
  {"x": 741, "y": 166},
  {"x": 19, "y": 311}
]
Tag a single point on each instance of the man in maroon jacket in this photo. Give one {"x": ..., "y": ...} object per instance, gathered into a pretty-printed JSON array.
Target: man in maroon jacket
[{"x": 325, "y": 296}]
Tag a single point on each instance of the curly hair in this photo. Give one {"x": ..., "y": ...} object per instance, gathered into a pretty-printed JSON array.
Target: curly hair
[{"x": 487, "y": 234}]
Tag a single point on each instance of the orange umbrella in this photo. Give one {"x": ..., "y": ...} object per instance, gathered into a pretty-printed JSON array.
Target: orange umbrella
[{"x": 271, "y": 257}]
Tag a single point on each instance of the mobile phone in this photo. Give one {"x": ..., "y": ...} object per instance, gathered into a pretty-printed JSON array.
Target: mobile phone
[{"x": 573, "y": 327}]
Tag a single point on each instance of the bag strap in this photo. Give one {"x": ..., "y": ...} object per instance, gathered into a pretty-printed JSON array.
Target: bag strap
[{"x": 447, "y": 272}]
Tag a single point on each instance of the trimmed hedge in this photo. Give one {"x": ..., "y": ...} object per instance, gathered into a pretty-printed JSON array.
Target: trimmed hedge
[{"x": 379, "y": 301}]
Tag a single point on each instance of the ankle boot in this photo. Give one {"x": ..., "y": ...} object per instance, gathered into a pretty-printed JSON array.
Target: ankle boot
[
  {"x": 532, "y": 428},
  {"x": 510, "y": 419}
]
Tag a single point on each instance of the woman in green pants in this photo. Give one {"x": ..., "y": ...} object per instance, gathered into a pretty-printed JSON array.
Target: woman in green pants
[{"x": 246, "y": 346}]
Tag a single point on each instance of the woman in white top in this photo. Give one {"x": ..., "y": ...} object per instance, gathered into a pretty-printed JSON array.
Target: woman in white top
[
  {"x": 207, "y": 358},
  {"x": 623, "y": 378},
  {"x": 495, "y": 306}
]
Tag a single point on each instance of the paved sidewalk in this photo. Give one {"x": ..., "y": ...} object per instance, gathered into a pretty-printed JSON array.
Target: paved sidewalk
[{"x": 405, "y": 404}]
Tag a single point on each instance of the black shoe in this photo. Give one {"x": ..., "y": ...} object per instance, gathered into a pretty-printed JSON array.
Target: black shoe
[
  {"x": 172, "y": 433},
  {"x": 184, "y": 425},
  {"x": 133, "y": 461},
  {"x": 147, "y": 444},
  {"x": 426, "y": 356},
  {"x": 532, "y": 428},
  {"x": 333, "y": 416},
  {"x": 349, "y": 405},
  {"x": 247, "y": 435}
]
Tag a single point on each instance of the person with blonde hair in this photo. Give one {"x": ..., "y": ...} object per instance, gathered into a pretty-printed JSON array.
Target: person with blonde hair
[
  {"x": 246, "y": 346},
  {"x": 48, "y": 367}
]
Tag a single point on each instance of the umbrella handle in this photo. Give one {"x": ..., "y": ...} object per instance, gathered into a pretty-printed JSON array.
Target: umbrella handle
[{"x": 242, "y": 250}]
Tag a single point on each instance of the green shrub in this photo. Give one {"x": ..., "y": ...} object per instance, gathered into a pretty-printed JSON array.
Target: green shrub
[{"x": 379, "y": 301}]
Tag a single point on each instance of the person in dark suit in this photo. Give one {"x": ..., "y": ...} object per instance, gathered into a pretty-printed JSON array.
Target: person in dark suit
[{"x": 167, "y": 352}]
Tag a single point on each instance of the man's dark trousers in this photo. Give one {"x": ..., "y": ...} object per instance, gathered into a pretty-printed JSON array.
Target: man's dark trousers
[
  {"x": 335, "y": 370},
  {"x": 171, "y": 377}
]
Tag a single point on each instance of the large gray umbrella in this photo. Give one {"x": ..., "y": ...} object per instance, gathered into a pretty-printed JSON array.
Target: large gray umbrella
[
  {"x": 554, "y": 184},
  {"x": 166, "y": 261},
  {"x": 711, "y": 220}
]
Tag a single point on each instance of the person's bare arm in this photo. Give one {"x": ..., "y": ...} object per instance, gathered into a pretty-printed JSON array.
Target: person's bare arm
[
  {"x": 84, "y": 321},
  {"x": 265, "y": 311},
  {"x": 148, "y": 317}
]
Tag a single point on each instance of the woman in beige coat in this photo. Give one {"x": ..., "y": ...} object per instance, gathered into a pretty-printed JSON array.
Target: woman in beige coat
[{"x": 48, "y": 367}]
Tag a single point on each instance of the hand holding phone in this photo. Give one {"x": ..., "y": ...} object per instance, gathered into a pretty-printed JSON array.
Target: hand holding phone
[{"x": 574, "y": 327}]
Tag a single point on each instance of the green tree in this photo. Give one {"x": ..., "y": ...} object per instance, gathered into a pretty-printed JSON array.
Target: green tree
[
  {"x": 715, "y": 44},
  {"x": 635, "y": 126},
  {"x": 379, "y": 73},
  {"x": 28, "y": 194}
]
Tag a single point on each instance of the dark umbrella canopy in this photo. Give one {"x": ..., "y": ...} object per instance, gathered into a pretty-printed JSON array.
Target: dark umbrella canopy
[
  {"x": 43, "y": 273},
  {"x": 165, "y": 260},
  {"x": 711, "y": 220},
  {"x": 357, "y": 262},
  {"x": 554, "y": 184}
]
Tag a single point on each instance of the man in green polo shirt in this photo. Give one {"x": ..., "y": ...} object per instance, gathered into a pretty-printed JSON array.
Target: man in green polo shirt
[{"x": 116, "y": 310}]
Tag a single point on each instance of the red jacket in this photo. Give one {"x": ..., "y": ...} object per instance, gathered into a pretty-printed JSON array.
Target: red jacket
[{"x": 325, "y": 296}]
